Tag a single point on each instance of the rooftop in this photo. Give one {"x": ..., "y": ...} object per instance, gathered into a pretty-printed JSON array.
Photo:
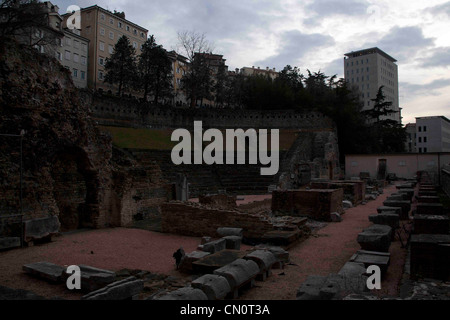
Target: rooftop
[{"x": 364, "y": 52}]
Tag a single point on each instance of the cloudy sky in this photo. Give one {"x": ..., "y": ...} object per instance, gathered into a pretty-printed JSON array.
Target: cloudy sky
[{"x": 314, "y": 35}]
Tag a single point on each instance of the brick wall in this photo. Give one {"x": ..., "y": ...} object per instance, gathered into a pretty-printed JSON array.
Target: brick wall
[
  {"x": 354, "y": 191},
  {"x": 190, "y": 219},
  {"x": 315, "y": 203}
]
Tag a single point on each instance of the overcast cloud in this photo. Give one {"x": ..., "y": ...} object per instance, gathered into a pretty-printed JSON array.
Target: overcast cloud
[{"x": 314, "y": 35}]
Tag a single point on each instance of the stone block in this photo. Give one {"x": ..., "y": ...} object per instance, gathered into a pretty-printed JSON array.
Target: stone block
[
  {"x": 215, "y": 287},
  {"x": 280, "y": 237},
  {"x": 93, "y": 279},
  {"x": 190, "y": 258},
  {"x": 426, "y": 254},
  {"x": 430, "y": 208},
  {"x": 428, "y": 199},
  {"x": 279, "y": 253},
  {"x": 239, "y": 273},
  {"x": 376, "y": 238},
  {"x": 37, "y": 229},
  {"x": 215, "y": 261},
  {"x": 45, "y": 270},
  {"x": 390, "y": 219},
  {"x": 431, "y": 224},
  {"x": 265, "y": 261},
  {"x": 120, "y": 290},
  {"x": 336, "y": 217},
  {"x": 9, "y": 243},
  {"x": 233, "y": 242},
  {"x": 215, "y": 246},
  {"x": 347, "y": 204},
  {"x": 408, "y": 192},
  {"x": 224, "y": 232},
  {"x": 396, "y": 210},
  {"x": 369, "y": 258},
  {"x": 404, "y": 204},
  {"x": 185, "y": 294}
]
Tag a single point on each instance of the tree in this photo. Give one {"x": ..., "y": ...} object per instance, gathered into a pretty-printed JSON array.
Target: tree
[
  {"x": 121, "y": 66},
  {"x": 381, "y": 108},
  {"x": 26, "y": 21},
  {"x": 197, "y": 81},
  {"x": 154, "y": 70},
  {"x": 220, "y": 86}
]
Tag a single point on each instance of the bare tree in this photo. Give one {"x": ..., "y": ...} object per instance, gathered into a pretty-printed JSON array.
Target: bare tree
[
  {"x": 191, "y": 42},
  {"x": 26, "y": 21}
]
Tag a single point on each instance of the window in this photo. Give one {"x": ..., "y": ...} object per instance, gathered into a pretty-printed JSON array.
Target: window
[
  {"x": 83, "y": 75},
  {"x": 102, "y": 31},
  {"x": 119, "y": 24},
  {"x": 76, "y": 58},
  {"x": 424, "y": 128},
  {"x": 101, "y": 61},
  {"x": 111, "y": 35},
  {"x": 402, "y": 164},
  {"x": 57, "y": 25},
  {"x": 102, "y": 46},
  {"x": 134, "y": 45},
  {"x": 142, "y": 35},
  {"x": 83, "y": 60},
  {"x": 110, "y": 49},
  {"x": 354, "y": 164},
  {"x": 68, "y": 41},
  {"x": 100, "y": 75},
  {"x": 102, "y": 16},
  {"x": 111, "y": 20},
  {"x": 420, "y": 139},
  {"x": 128, "y": 28},
  {"x": 76, "y": 44},
  {"x": 75, "y": 73},
  {"x": 420, "y": 129},
  {"x": 425, "y": 139},
  {"x": 135, "y": 31},
  {"x": 59, "y": 56},
  {"x": 84, "y": 47},
  {"x": 67, "y": 55},
  {"x": 425, "y": 150}
]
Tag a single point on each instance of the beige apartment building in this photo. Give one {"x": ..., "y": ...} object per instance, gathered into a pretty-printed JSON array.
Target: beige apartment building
[
  {"x": 271, "y": 73},
  {"x": 73, "y": 54},
  {"x": 179, "y": 68},
  {"x": 103, "y": 29},
  {"x": 369, "y": 69}
]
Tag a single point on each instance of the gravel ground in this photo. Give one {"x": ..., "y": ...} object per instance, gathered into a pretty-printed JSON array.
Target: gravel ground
[{"x": 325, "y": 252}]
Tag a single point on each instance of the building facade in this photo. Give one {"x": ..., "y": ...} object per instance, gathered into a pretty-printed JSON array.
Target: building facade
[
  {"x": 179, "y": 68},
  {"x": 271, "y": 73},
  {"x": 369, "y": 69},
  {"x": 73, "y": 53},
  {"x": 433, "y": 134},
  {"x": 103, "y": 29}
]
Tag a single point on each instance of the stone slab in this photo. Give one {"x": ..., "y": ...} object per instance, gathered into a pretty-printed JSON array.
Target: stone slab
[
  {"x": 382, "y": 209},
  {"x": 224, "y": 232},
  {"x": 45, "y": 270},
  {"x": 238, "y": 273},
  {"x": 187, "y": 293},
  {"x": 217, "y": 260},
  {"x": 404, "y": 204},
  {"x": 119, "y": 290},
  {"x": 280, "y": 237},
  {"x": 233, "y": 242},
  {"x": 431, "y": 224},
  {"x": 9, "y": 243},
  {"x": 375, "y": 238},
  {"x": 37, "y": 229},
  {"x": 215, "y": 246},
  {"x": 190, "y": 258},
  {"x": 92, "y": 278},
  {"x": 265, "y": 261},
  {"x": 369, "y": 258},
  {"x": 430, "y": 208},
  {"x": 428, "y": 199}
]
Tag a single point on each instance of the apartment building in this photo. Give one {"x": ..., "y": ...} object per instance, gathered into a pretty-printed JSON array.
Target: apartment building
[
  {"x": 369, "y": 69},
  {"x": 179, "y": 69},
  {"x": 73, "y": 54},
  {"x": 433, "y": 134},
  {"x": 103, "y": 29},
  {"x": 272, "y": 73}
]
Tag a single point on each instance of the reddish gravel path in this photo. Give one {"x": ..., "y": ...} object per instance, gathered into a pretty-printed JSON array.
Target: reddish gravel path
[
  {"x": 114, "y": 249},
  {"x": 326, "y": 252}
]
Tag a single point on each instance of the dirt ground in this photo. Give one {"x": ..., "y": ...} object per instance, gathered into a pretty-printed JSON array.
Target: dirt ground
[{"x": 325, "y": 252}]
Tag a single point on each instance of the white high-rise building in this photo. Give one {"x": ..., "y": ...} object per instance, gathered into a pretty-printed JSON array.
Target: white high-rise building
[{"x": 368, "y": 70}]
